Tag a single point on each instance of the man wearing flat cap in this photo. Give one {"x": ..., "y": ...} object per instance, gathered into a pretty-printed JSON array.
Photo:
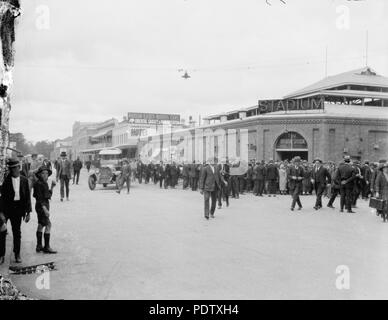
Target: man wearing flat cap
[
  {"x": 346, "y": 175},
  {"x": 16, "y": 206},
  {"x": 320, "y": 178},
  {"x": 295, "y": 175}
]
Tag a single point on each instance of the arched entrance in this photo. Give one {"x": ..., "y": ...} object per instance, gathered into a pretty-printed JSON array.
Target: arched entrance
[{"x": 289, "y": 145}]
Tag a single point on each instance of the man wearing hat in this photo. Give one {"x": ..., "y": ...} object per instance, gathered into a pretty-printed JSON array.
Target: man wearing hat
[
  {"x": 43, "y": 194},
  {"x": 64, "y": 174},
  {"x": 320, "y": 178},
  {"x": 126, "y": 173},
  {"x": 16, "y": 206},
  {"x": 346, "y": 175},
  {"x": 210, "y": 183},
  {"x": 295, "y": 175}
]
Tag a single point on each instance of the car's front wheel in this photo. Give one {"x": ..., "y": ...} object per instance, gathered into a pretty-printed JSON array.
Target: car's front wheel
[{"x": 92, "y": 183}]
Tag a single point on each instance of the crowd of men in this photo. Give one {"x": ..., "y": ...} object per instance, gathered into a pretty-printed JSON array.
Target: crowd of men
[
  {"x": 350, "y": 180},
  {"x": 216, "y": 180}
]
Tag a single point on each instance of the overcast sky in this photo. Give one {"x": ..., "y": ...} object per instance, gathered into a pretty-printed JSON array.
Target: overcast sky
[{"x": 101, "y": 59}]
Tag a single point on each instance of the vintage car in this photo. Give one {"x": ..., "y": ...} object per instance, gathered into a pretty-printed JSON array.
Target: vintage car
[{"x": 109, "y": 171}]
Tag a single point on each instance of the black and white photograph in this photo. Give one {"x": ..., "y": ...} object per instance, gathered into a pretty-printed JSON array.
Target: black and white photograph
[{"x": 192, "y": 150}]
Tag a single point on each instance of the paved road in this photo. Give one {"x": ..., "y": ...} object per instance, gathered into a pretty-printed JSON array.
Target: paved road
[{"x": 155, "y": 244}]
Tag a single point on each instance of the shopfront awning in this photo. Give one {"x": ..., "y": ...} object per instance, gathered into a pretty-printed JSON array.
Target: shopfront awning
[{"x": 102, "y": 134}]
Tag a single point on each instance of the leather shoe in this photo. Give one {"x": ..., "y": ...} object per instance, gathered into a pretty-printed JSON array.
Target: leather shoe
[
  {"x": 351, "y": 211},
  {"x": 18, "y": 259},
  {"x": 316, "y": 208},
  {"x": 49, "y": 251},
  {"x": 2, "y": 260},
  {"x": 330, "y": 206},
  {"x": 39, "y": 248}
]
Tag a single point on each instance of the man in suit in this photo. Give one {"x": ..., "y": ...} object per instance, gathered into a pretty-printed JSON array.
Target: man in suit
[
  {"x": 320, "y": 177},
  {"x": 259, "y": 178},
  {"x": 64, "y": 175},
  {"x": 167, "y": 175},
  {"x": 126, "y": 173},
  {"x": 335, "y": 188},
  {"x": 272, "y": 176},
  {"x": 174, "y": 172},
  {"x": 211, "y": 180},
  {"x": 223, "y": 193},
  {"x": 366, "y": 172},
  {"x": 357, "y": 183},
  {"x": 16, "y": 206},
  {"x": 346, "y": 174},
  {"x": 77, "y": 166},
  {"x": 161, "y": 173},
  {"x": 185, "y": 175},
  {"x": 295, "y": 175}
]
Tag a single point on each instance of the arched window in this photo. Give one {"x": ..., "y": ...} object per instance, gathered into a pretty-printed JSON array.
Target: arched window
[{"x": 291, "y": 141}]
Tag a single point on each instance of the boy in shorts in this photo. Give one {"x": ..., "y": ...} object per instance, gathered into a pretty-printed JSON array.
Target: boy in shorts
[{"x": 43, "y": 194}]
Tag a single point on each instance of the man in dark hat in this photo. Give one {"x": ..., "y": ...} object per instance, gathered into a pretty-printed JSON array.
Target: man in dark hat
[
  {"x": 346, "y": 174},
  {"x": 210, "y": 182},
  {"x": 77, "y": 166},
  {"x": 43, "y": 194},
  {"x": 295, "y": 175},
  {"x": 64, "y": 175},
  {"x": 320, "y": 178},
  {"x": 126, "y": 173},
  {"x": 16, "y": 206}
]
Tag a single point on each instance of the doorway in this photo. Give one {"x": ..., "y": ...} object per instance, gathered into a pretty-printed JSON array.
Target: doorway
[
  {"x": 289, "y": 155},
  {"x": 289, "y": 145}
]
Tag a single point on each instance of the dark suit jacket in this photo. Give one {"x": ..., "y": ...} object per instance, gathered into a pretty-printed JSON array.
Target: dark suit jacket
[
  {"x": 8, "y": 194},
  {"x": 346, "y": 173},
  {"x": 382, "y": 186},
  {"x": 259, "y": 172},
  {"x": 77, "y": 165},
  {"x": 211, "y": 181},
  {"x": 185, "y": 170},
  {"x": 272, "y": 172},
  {"x": 298, "y": 174},
  {"x": 321, "y": 177},
  {"x": 64, "y": 169}
]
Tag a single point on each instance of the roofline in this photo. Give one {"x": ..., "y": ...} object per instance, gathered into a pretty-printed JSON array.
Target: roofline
[{"x": 297, "y": 94}]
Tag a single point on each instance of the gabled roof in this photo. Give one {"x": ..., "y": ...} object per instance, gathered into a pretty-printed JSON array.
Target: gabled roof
[{"x": 364, "y": 77}]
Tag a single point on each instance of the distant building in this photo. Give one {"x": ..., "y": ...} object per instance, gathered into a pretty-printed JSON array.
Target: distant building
[
  {"x": 344, "y": 114},
  {"x": 89, "y": 138},
  {"x": 64, "y": 145}
]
